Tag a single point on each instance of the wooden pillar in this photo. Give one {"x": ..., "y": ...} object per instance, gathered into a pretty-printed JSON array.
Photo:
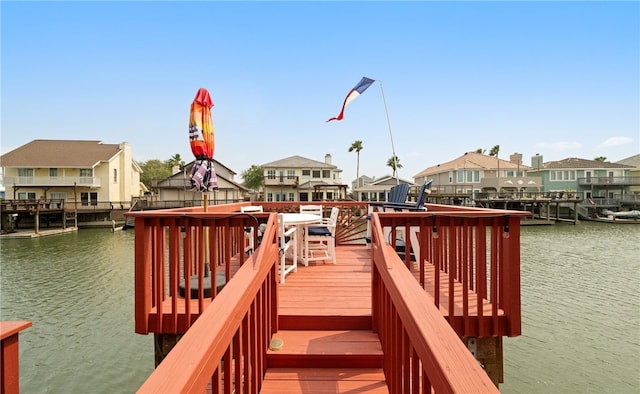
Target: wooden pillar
[
  {"x": 163, "y": 345},
  {"x": 488, "y": 352}
]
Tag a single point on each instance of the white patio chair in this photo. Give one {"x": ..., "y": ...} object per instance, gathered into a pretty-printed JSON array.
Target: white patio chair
[
  {"x": 248, "y": 231},
  {"x": 312, "y": 209},
  {"x": 320, "y": 239},
  {"x": 287, "y": 244}
]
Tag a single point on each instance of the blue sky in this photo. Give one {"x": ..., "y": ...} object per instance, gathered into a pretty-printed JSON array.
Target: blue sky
[{"x": 561, "y": 79}]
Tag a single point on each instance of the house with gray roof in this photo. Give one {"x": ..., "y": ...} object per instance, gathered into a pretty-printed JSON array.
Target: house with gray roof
[
  {"x": 378, "y": 189},
  {"x": 82, "y": 173},
  {"x": 176, "y": 189},
  {"x": 588, "y": 179},
  {"x": 298, "y": 178},
  {"x": 472, "y": 173}
]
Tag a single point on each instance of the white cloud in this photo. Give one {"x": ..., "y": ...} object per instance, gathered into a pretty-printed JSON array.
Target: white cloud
[{"x": 616, "y": 141}]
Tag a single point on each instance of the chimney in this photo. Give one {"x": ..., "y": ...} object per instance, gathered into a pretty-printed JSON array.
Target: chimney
[
  {"x": 516, "y": 158},
  {"x": 536, "y": 162},
  {"x": 327, "y": 158}
]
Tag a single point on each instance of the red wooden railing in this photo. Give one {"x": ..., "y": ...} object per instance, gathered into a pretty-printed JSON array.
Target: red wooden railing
[
  {"x": 476, "y": 253},
  {"x": 10, "y": 354},
  {"x": 226, "y": 347},
  {"x": 421, "y": 352},
  {"x": 469, "y": 262}
]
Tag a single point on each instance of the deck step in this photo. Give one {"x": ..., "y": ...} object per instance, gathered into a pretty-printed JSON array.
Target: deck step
[
  {"x": 324, "y": 380},
  {"x": 326, "y": 349},
  {"x": 325, "y": 322}
]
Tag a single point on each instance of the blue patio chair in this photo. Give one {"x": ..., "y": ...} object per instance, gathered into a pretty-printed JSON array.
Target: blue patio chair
[{"x": 419, "y": 204}]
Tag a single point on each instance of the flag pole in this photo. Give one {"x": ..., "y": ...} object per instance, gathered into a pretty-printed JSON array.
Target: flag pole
[{"x": 393, "y": 149}]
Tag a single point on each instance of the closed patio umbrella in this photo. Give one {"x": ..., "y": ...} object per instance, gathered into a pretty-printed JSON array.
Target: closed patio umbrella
[{"x": 203, "y": 174}]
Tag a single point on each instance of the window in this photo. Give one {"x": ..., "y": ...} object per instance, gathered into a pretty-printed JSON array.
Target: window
[
  {"x": 306, "y": 172},
  {"x": 316, "y": 173},
  {"x": 86, "y": 176},
  {"x": 292, "y": 197},
  {"x": 291, "y": 174},
  {"x": 58, "y": 196},
  {"x": 25, "y": 171},
  {"x": 450, "y": 176},
  {"x": 270, "y": 196},
  {"x": 89, "y": 198},
  {"x": 26, "y": 195},
  {"x": 562, "y": 175},
  {"x": 53, "y": 172},
  {"x": 115, "y": 175},
  {"x": 329, "y": 196},
  {"x": 326, "y": 174},
  {"x": 271, "y": 174}
]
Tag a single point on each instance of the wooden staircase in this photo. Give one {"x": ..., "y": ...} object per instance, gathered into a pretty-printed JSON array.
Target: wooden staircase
[
  {"x": 325, "y": 343},
  {"x": 325, "y": 361}
]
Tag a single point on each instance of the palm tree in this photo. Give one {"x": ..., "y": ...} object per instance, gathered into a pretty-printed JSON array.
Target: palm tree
[
  {"x": 481, "y": 151},
  {"x": 357, "y": 146},
  {"x": 394, "y": 163},
  {"x": 601, "y": 159},
  {"x": 176, "y": 160},
  {"x": 494, "y": 152}
]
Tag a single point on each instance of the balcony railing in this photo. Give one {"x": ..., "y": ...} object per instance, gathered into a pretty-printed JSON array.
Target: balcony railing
[
  {"x": 281, "y": 180},
  {"x": 610, "y": 180},
  {"x": 52, "y": 181}
]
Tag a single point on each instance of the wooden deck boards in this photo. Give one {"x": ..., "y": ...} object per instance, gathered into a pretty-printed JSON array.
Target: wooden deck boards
[
  {"x": 325, "y": 289},
  {"x": 324, "y": 380}
]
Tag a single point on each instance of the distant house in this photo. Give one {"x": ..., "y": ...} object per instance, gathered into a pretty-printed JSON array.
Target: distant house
[
  {"x": 297, "y": 178},
  {"x": 634, "y": 173},
  {"x": 177, "y": 187},
  {"x": 586, "y": 178},
  {"x": 474, "y": 173},
  {"x": 83, "y": 173},
  {"x": 378, "y": 189}
]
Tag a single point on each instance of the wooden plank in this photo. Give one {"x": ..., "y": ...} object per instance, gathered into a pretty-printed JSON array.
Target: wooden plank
[{"x": 324, "y": 380}]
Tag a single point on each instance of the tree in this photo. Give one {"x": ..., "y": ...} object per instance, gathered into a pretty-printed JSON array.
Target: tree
[
  {"x": 253, "y": 177},
  {"x": 494, "y": 151},
  {"x": 176, "y": 160},
  {"x": 481, "y": 151},
  {"x": 154, "y": 169},
  {"x": 601, "y": 159},
  {"x": 357, "y": 146},
  {"x": 395, "y": 165}
]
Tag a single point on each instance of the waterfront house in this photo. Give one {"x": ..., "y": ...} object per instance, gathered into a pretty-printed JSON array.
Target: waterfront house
[
  {"x": 177, "y": 188},
  {"x": 298, "y": 178},
  {"x": 583, "y": 178},
  {"x": 467, "y": 176},
  {"x": 82, "y": 173},
  {"x": 378, "y": 189},
  {"x": 634, "y": 173}
]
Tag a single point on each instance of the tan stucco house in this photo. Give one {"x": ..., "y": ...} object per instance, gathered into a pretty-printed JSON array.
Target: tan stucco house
[{"x": 83, "y": 173}]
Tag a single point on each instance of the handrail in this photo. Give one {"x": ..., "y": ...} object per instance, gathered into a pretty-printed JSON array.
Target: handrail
[
  {"x": 9, "y": 353},
  {"x": 227, "y": 345},
  {"x": 469, "y": 262},
  {"x": 171, "y": 247},
  {"x": 416, "y": 340}
]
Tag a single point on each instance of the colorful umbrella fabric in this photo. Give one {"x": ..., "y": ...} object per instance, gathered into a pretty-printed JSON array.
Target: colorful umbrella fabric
[{"x": 203, "y": 174}]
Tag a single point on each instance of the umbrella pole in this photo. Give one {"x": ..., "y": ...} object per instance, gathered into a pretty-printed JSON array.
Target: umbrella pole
[{"x": 207, "y": 261}]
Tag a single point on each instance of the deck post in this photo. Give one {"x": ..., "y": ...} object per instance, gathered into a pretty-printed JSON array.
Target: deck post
[{"x": 488, "y": 352}]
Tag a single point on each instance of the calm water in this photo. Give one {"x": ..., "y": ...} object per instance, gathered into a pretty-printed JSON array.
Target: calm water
[{"x": 580, "y": 305}]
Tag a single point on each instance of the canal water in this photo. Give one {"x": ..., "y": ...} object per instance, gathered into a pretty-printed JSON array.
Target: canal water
[{"x": 580, "y": 308}]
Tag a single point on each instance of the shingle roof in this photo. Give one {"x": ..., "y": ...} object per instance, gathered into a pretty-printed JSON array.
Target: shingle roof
[
  {"x": 59, "y": 154},
  {"x": 633, "y": 161},
  {"x": 298, "y": 162},
  {"x": 574, "y": 162},
  {"x": 471, "y": 160}
]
